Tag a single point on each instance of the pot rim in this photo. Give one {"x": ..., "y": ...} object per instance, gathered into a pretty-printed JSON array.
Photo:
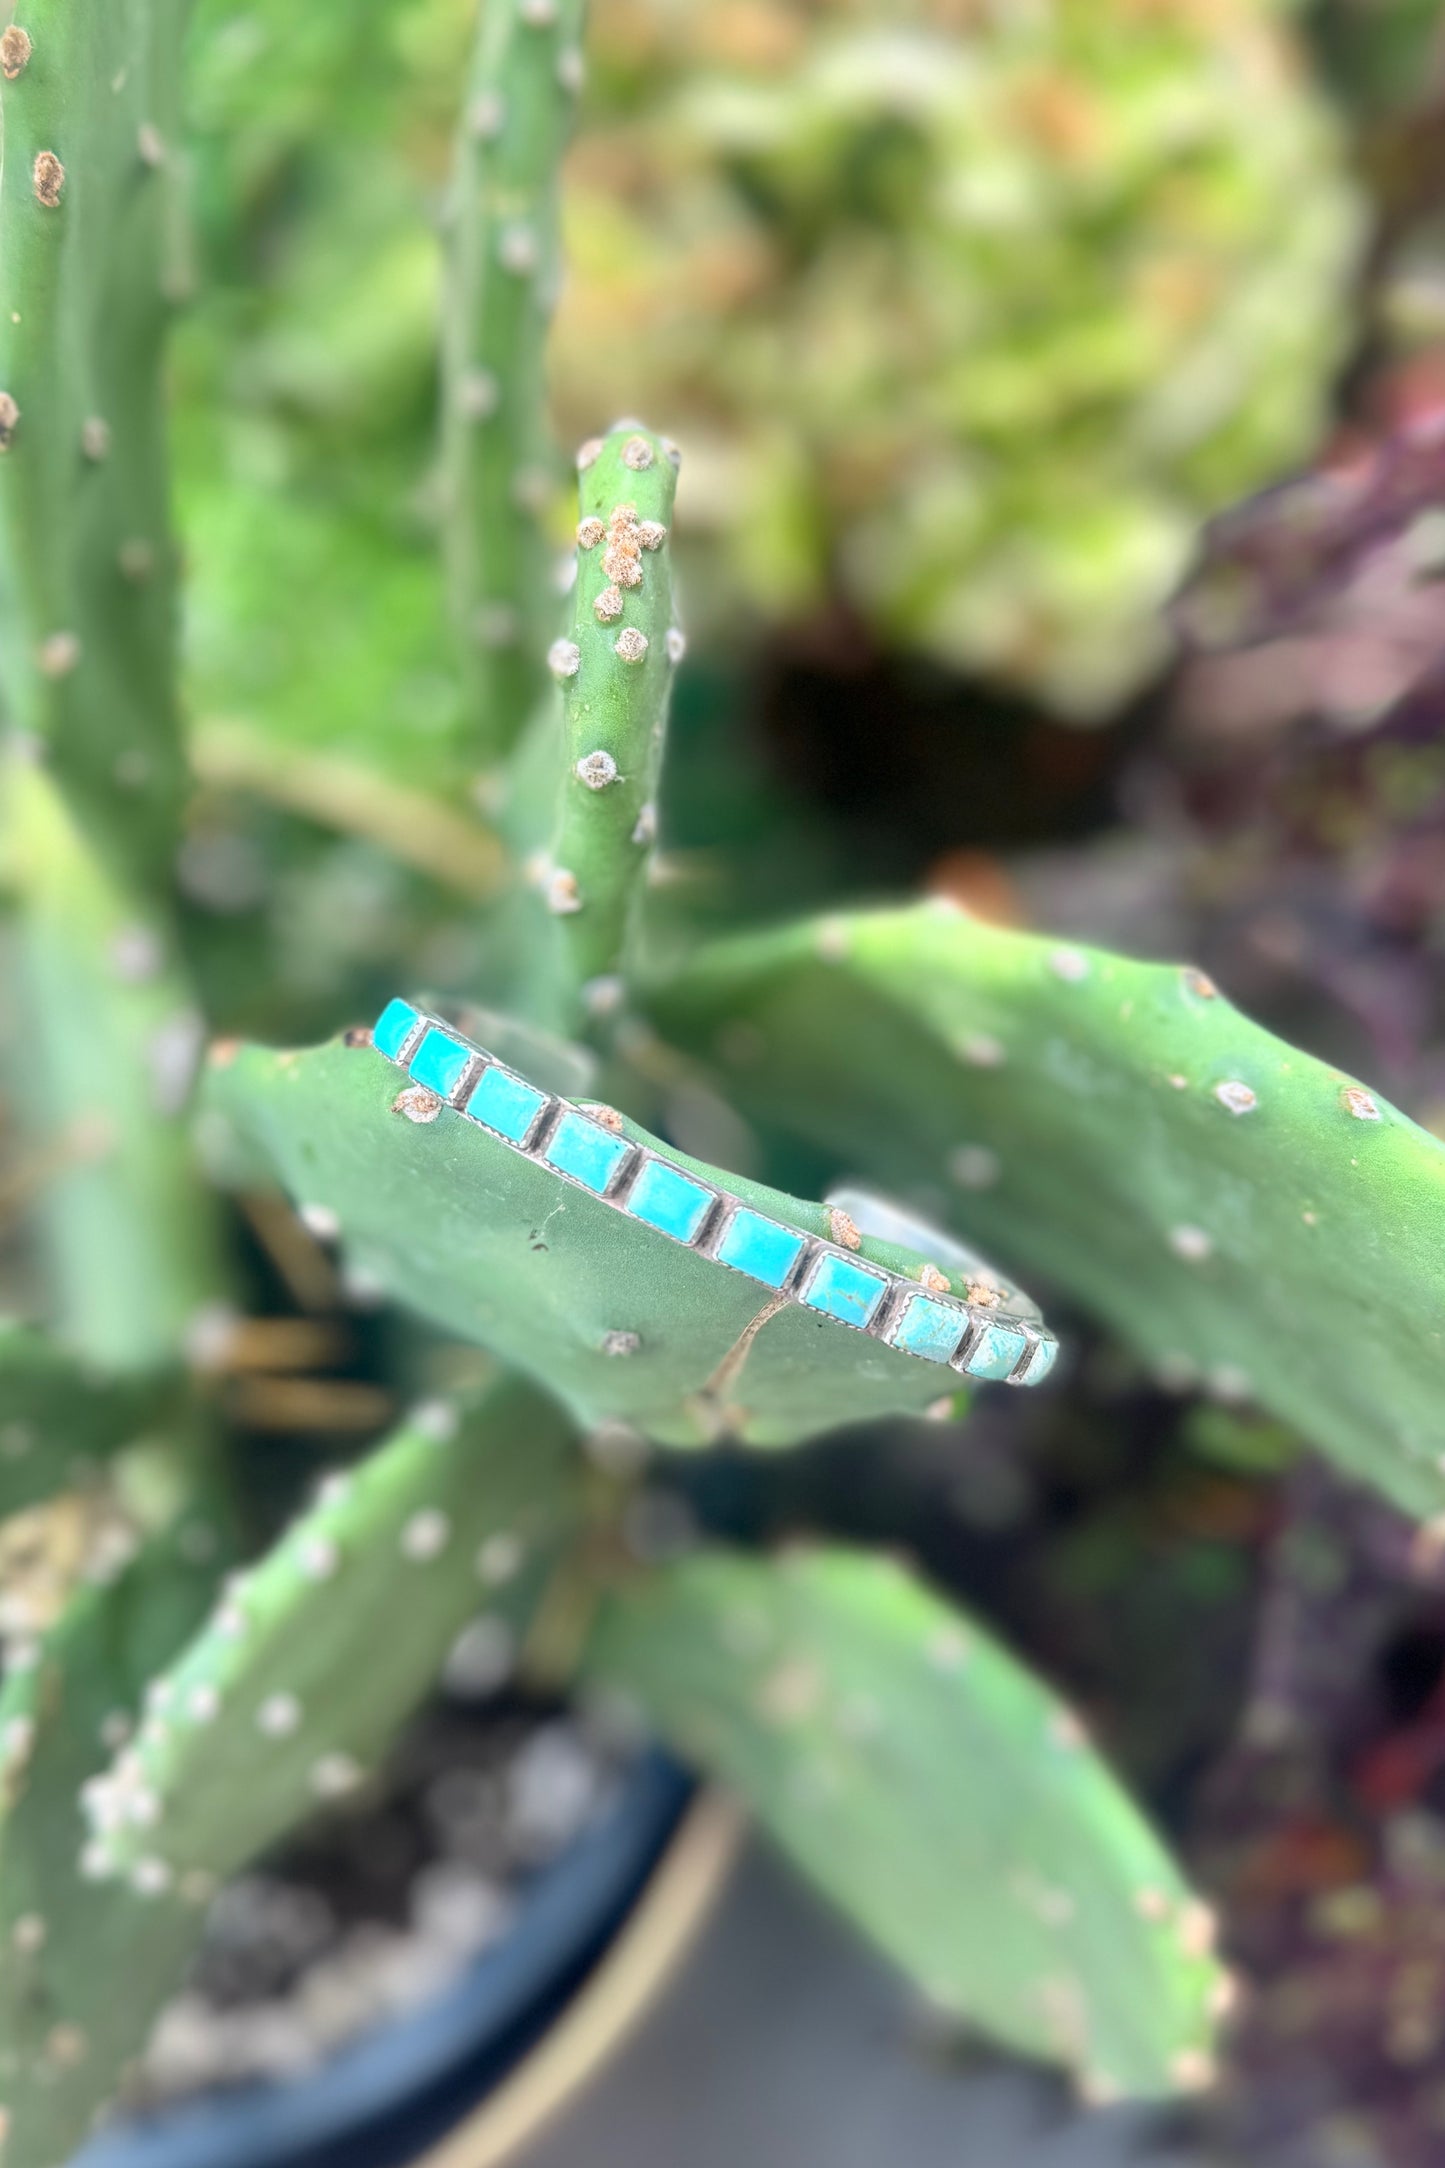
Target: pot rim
[{"x": 420, "y": 2086}]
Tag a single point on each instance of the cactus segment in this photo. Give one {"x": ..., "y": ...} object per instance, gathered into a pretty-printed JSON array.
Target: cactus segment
[
  {"x": 57, "y": 1420},
  {"x": 85, "y": 1966},
  {"x": 102, "y": 1068},
  {"x": 1242, "y": 1214},
  {"x": 502, "y": 282},
  {"x": 616, "y": 675},
  {"x": 106, "y": 1039},
  {"x": 87, "y": 258},
  {"x": 611, "y": 1312},
  {"x": 936, "y": 1792},
  {"x": 314, "y": 1657}
]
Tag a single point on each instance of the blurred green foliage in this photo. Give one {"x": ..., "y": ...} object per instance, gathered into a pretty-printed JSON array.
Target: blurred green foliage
[{"x": 968, "y": 319}]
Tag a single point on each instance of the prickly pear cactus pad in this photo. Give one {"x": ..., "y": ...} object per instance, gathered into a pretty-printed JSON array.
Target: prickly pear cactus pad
[
  {"x": 937, "y": 1793},
  {"x": 88, "y": 257},
  {"x": 616, "y": 673},
  {"x": 59, "y": 1420},
  {"x": 513, "y": 1242},
  {"x": 85, "y": 1965},
  {"x": 270, "y": 1710},
  {"x": 102, "y": 1069},
  {"x": 503, "y": 276},
  {"x": 1242, "y": 1213}
]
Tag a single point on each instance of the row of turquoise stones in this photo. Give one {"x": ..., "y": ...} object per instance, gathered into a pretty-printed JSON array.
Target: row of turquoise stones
[{"x": 652, "y": 1190}]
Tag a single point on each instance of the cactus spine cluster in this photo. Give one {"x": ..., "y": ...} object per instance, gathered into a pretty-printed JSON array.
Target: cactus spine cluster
[{"x": 94, "y": 768}]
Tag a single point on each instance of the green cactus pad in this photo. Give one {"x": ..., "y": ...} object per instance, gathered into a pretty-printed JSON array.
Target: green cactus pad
[
  {"x": 88, "y": 236},
  {"x": 502, "y": 281},
  {"x": 617, "y": 1318},
  {"x": 937, "y": 1793},
  {"x": 1237, "y": 1210},
  {"x": 616, "y": 674},
  {"x": 102, "y": 1068},
  {"x": 315, "y": 1656},
  {"x": 57, "y": 1419},
  {"x": 86, "y": 1965}
]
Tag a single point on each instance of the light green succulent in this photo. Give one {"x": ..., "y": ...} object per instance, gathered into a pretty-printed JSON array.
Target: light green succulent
[{"x": 972, "y": 321}]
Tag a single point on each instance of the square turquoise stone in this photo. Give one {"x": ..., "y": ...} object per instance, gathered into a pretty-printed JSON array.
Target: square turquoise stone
[
  {"x": 503, "y": 1102},
  {"x": 1041, "y": 1362},
  {"x": 584, "y": 1149},
  {"x": 927, "y": 1328},
  {"x": 759, "y": 1247},
  {"x": 440, "y": 1063},
  {"x": 668, "y": 1199},
  {"x": 996, "y": 1352},
  {"x": 397, "y": 1021},
  {"x": 843, "y": 1289}
]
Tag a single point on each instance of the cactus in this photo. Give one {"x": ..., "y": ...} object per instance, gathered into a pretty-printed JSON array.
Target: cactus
[
  {"x": 107, "y": 1033},
  {"x": 102, "y": 1069},
  {"x": 1241, "y": 1213},
  {"x": 88, "y": 254},
  {"x": 267, "y": 1711},
  {"x": 1220, "y": 1197},
  {"x": 616, "y": 677},
  {"x": 59, "y": 1421},
  {"x": 66, "y": 2029},
  {"x": 621, "y": 1322},
  {"x": 502, "y": 282},
  {"x": 917, "y": 1774}
]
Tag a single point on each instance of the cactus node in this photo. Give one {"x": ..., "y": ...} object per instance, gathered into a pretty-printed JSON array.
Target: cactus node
[
  {"x": 15, "y": 51},
  {"x": 48, "y": 178}
]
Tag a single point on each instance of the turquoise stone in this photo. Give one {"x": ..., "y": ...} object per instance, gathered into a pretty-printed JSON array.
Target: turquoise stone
[
  {"x": 393, "y": 1027},
  {"x": 585, "y": 1150},
  {"x": 927, "y": 1328},
  {"x": 759, "y": 1247},
  {"x": 996, "y": 1351},
  {"x": 1041, "y": 1362},
  {"x": 843, "y": 1289},
  {"x": 503, "y": 1102},
  {"x": 440, "y": 1063},
  {"x": 668, "y": 1199}
]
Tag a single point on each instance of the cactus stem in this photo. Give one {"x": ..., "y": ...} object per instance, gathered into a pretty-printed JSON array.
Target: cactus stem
[{"x": 501, "y": 282}]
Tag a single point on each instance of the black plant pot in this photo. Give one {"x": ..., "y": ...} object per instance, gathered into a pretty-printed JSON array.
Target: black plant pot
[{"x": 384, "y": 2099}]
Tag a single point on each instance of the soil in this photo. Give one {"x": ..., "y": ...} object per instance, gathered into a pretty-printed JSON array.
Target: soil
[{"x": 377, "y": 1910}]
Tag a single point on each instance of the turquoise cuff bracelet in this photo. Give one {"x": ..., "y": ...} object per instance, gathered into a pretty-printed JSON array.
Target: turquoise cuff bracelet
[{"x": 1004, "y": 1340}]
